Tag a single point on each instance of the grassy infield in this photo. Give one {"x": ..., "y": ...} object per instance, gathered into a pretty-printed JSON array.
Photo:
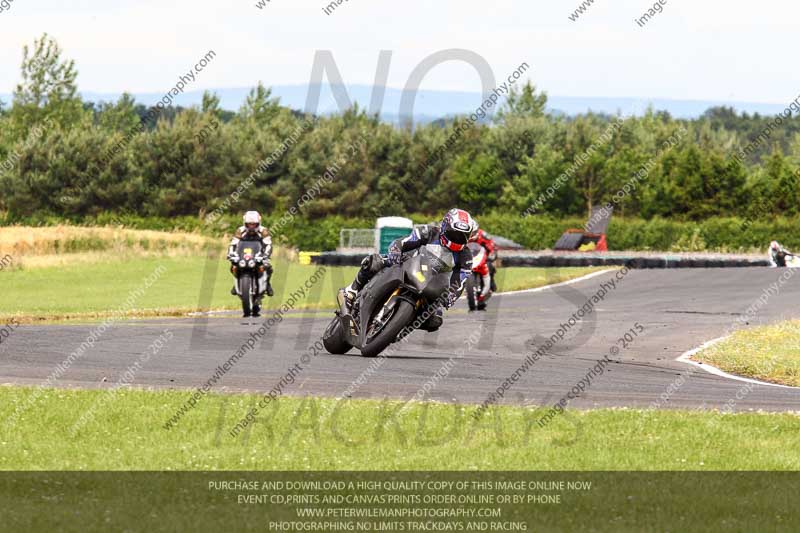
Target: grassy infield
[
  {"x": 768, "y": 353},
  {"x": 127, "y": 433}
]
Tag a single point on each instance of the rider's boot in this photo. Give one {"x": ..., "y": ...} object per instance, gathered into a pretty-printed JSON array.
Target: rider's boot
[
  {"x": 350, "y": 294},
  {"x": 269, "y": 290},
  {"x": 434, "y": 321}
]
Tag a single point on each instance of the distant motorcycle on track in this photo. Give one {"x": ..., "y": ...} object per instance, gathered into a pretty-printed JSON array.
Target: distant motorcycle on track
[
  {"x": 781, "y": 257},
  {"x": 247, "y": 265},
  {"x": 479, "y": 283}
]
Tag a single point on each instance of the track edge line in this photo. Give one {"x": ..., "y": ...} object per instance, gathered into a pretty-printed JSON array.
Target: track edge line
[
  {"x": 686, "y": 357},
  {"x": 559, "y": 284}
]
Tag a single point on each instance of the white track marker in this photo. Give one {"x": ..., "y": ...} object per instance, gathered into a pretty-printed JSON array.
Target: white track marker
[
  {"x": 686, "y": 358},
  {"x": 568, "y": 282}
]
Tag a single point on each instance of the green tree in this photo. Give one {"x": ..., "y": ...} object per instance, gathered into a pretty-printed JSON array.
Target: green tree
[
  {"x": 48, "y": 89},
  {"x": 524, "y": 102},
  {"x": 478, "y": 179},
  {"x": 120, "y": 116},
  {"x": 259, "y": 105}
]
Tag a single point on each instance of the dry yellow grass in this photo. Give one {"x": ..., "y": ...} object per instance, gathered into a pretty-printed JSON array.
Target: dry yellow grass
[
  {"x": 27, "y": 241},
  {"x": 39, "y": 247}
]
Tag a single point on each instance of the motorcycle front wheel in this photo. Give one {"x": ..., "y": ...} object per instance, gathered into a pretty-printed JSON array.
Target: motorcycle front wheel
[
  {"x": 246, "y": 288},
  {"x": 472, "y": 288},
  {"x": 403, "y": 314}
]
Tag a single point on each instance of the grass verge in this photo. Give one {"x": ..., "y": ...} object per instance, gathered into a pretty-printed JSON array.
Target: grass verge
[
  {"x": 769, "y": 353},
  {"x": 127, "y": 433}
]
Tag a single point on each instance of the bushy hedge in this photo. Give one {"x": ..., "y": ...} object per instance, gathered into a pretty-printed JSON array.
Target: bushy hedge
[
  {"x": 534, "y": 232},
  {"x": 714, "y": 234}
]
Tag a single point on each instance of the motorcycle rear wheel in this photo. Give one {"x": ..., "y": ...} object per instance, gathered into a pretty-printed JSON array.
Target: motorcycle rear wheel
[{"x": 333, "y": 338}]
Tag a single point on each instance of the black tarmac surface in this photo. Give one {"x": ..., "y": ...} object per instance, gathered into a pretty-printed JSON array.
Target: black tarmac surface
[{"x": 677, "y": 309}]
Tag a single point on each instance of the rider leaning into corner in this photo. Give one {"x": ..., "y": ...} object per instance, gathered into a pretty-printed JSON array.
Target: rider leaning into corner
[
  {"x": 778, "y": 254},
  {"x": 252, "y": 230},
  {"x": 487, "y": 241},
  {"x": 455, "y": 230}
]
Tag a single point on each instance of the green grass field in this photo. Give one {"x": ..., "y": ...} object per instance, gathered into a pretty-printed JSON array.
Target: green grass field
[
  {"x": 308, "y": 434},
  {"x": 95, "y": 289},
  {"x": 768, "y": 353}
]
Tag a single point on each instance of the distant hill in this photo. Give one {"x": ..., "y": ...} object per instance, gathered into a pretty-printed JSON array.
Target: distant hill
[{"x": 432, "y": 105}]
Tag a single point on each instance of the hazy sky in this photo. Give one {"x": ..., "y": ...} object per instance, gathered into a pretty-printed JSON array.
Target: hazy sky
[{"x": 722, "y": 50}]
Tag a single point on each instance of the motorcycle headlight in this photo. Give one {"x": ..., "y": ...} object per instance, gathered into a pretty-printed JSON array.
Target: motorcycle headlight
[
  {"x": 252, "y": 263},
  {"x": 242, "y": 263}
]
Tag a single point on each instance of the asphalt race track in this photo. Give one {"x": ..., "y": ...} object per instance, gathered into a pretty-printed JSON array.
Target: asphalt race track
[{"x": 678, "y": 309}]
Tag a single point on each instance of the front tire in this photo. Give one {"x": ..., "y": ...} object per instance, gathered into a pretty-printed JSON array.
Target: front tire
[
  {"x": 403, "y": 315},
  {"x": 246, "y": 287},
  {"x": 472, "y": 297},
  {"x": 333, "y": 338}
]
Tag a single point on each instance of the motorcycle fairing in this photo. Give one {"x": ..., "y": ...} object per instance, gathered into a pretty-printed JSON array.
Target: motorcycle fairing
[
  {"x": 250, "y": 248},
  {"x": 373, "y": 294}
]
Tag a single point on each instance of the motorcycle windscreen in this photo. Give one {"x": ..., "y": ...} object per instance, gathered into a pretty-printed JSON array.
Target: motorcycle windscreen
[
  {"x": 437, "y": 257},
  {"x": 478, "y": 254},
  {"x": 248, "y": 248},
  {"x": 423, "y": 273}
]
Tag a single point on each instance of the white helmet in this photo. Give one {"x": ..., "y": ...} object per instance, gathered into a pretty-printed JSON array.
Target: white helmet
[
  {"x": 774, "y": 246},
  {"x": 252, "y": 217}
]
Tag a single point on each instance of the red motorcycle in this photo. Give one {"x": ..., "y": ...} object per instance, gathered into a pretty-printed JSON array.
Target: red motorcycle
[{"x": 479, "y": 283}]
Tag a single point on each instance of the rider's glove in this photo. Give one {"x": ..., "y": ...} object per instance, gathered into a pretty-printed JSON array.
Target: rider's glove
[
  {"x": 395, "y": 254},
  {"x": 233, "y": 257}
]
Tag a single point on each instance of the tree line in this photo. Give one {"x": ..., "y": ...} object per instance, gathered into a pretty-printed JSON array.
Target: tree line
[{"x": 61, "y": 156}]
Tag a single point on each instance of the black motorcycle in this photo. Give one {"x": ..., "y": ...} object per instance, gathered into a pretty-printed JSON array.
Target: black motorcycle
[
  {"x": 248, "y": 267},
  {"x": 391, "y": 302}
]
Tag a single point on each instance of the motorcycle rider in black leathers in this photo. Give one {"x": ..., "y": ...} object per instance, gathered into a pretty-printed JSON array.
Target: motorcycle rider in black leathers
[
  {"x": 252, "y": 230},
  {"x": 778, "y": 254},
  {"x": 453, "y": 233}
]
